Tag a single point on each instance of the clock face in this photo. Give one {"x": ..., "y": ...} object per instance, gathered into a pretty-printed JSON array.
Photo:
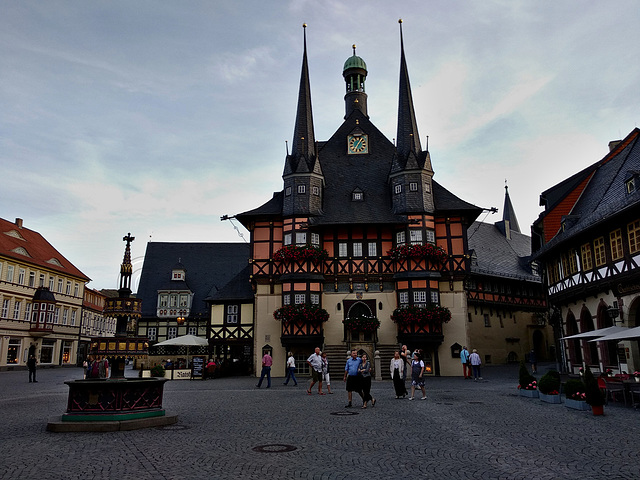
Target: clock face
[{"x": 357, "y": 144}]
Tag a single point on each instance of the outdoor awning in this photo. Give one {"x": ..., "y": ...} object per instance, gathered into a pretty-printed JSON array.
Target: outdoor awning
[
  {"x": 627, "y": 334},
  {"x": 601, "y": 332}
]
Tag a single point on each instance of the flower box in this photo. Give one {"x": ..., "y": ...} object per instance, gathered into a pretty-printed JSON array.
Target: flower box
[
  {"x": 528, "y": 393},
  {"x": 549, "y": 398},
  {"x": 576, "y": 404}
]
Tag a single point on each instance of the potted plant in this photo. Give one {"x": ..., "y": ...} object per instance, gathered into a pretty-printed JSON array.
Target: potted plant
[
  {"x": 157, "y": 371},
  {"x": 575, "y": 396},
  {"x": 594, "y": 395},
  {"x": 361, "y": 323},
  {"x": 549, "y": 387},
  {"x": 528, "y": 387}
]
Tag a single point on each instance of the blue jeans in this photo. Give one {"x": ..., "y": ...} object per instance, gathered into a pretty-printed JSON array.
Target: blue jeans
[
  {"x": 291, "y": 375},
  {"x": 265, "y": 371}
]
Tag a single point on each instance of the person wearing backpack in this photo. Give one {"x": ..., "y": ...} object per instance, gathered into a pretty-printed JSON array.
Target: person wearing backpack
[{"x": 464, "y": 359}]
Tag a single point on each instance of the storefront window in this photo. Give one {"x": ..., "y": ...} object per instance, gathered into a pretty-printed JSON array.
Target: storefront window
[
  {"x": 13, "y": 350},
  {"x": 66, "y": 351},
  {"x": 46, "y": 352}
]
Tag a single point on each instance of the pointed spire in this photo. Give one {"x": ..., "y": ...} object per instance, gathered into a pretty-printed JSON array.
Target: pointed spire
[
  {"x": 408, "y": 138},
  {"x": 508, "y": 212},
  {"x": 303, "y": 136}
]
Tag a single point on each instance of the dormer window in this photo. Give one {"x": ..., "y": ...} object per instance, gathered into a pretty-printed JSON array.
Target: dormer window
[
  {"x": 630, "y": 185},
  {"x": 357, "y": 196},
  {"x": 632, "y": 181},
  {"x": 178, "y": 275},
  {"x": 398, "y": 188}
]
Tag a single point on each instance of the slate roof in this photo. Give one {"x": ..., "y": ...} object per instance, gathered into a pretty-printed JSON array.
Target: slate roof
[
  {"x": 16, "y": 240},
  {"x": 605, "y": 194},
  {"x": 499, "y": 256},
  {"x": 209, "y": 267},
  {"x": 238, "y": 289}
]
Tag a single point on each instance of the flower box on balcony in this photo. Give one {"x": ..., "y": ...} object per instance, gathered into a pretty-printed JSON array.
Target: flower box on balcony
[
  {"x": 430, "y": 251},
  {"x": 300, "y": 253}
]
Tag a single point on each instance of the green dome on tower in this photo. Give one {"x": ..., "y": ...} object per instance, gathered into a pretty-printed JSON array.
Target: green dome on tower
[{"x": 354, "y": 61}]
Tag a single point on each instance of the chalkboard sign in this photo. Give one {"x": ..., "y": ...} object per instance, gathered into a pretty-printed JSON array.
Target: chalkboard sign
[{"x": 197, "y": 367}]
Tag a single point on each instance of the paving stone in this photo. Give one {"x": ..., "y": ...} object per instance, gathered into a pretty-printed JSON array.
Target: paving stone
[{"x": 480, "y": 430}]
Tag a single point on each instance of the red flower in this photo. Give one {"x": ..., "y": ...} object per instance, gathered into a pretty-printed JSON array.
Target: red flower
[
  {"x": 301, "y": 313},
  {"x": 433, "y": 252},
  {"x": 429, "y": 315},
  {"x": 361, "y": 323},
  {"x": 300, "y": 253}
]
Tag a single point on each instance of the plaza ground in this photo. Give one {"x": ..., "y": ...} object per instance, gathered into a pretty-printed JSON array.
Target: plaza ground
[{"x": 229, "y": 429}]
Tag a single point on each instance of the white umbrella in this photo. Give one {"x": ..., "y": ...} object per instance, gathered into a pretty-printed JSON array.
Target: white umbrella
[
  {"x": 627, "y": 334},
  {"x": 185, "y": 340},
  {"x": 601, "y": 332}
]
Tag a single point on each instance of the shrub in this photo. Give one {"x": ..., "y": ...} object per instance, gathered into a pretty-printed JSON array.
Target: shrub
[
  {"x": 595, "y": 397},
  {"x": 575, "y": 389},
  {"x": 549, "y": 384},
  {"x": 525, "y": 379},
  {"x": 157, "y": 371}
]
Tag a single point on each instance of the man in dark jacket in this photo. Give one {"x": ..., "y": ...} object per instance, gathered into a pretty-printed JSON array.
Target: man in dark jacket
[{"x": 31, "y": 365}]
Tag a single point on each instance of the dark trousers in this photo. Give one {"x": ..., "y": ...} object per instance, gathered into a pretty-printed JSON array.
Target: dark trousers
[
  {"x": 265, "y": 371},
  {"x": 32, "y": 375}
]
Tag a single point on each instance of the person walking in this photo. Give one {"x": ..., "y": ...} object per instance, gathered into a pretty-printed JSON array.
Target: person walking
[
  {"x": 267, "y": 361},
  {"x": 405, "y": 355},
  {"x": 397, "y": 374},
  {"x": 466, "y": 366},
  {"x": 365, "y": 377},
  {"x": 291, "y": 370},
  {"x": 351, "y": 376},
  {"x": 315, "y": 362},
  {"x": 325, "y": 373},
  {"x": 417, "y": 379},
  {"x": 31, "y": 365},
  {"x": 533, "y": 360},
  {"x": 475, "y": 364}
]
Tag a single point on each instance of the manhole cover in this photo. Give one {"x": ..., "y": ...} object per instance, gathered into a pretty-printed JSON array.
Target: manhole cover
[
  {"x": 274, "y": 448},
  {"x": 341, "y": 413},
  {"x": 173, "y": 427}
]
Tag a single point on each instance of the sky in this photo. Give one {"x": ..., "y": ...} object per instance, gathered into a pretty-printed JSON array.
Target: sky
[{"x": 159, "y": 117}]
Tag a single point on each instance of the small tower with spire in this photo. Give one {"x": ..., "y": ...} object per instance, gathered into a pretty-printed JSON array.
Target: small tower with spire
[
  {"x": 355, "y": 73},
  {"x": 411, "y": 173},
  {"x": 303, "y": 178},
  {"x": 509, "y": 222}
]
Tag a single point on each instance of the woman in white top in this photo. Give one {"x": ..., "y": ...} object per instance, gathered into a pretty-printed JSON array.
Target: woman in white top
[
  {"x": 291, "y": 368},
  {"x": 397, "y": 372}
]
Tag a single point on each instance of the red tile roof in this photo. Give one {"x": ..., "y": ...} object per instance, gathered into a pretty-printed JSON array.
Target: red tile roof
[{"x": 27, "y": 246}]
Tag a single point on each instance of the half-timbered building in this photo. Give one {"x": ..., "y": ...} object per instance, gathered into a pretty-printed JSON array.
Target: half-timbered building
[
  {"x": 588, "y": 240},
  {"x": 362, "y": 248}
]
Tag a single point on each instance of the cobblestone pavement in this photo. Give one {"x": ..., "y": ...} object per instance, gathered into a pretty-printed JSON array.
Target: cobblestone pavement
[{"x": 229, "y": 429}]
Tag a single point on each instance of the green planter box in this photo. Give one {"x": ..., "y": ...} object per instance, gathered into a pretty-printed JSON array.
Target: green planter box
[
  {"x": 528, "y": 393},
  {"x": 549, "y": 398},
  {"x": 576, "y": 404}
]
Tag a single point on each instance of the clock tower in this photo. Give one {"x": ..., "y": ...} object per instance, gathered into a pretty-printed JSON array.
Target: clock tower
[{"x": 355, "y": 73}]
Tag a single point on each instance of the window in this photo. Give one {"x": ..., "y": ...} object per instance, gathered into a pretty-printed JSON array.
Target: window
[
  {"x": 173, "y": 301},
  {"x": 400, "y": 238},
  {"x": 76, "y": 290},
  {"x": 287, "y": 238},
  {"x": 13, "y": 350},
  {"x": 357, "y": 249},
  {"x": 633, "y": 231},
  {"x": 342, "y": 249},
  {"x": 300, "y": 298},
  {"x": 164, "y": 299},
  {"x": 573, "y": 263},
  {"x": 615, "y": 240},
  {"x": 286, "y": 300},
  {"x": 73, "y": 318},
  {"x": 415, "y": 236},
  {"x": 59, "y": 285},
  {"x": 357, "y": 196},
  {"x": 232, "y": 314},
  {"x": 32, "y": 280},
  {"x": 397, "y": 189},
  {"x": 302, "y": 189},
  {"x": 487, "y": 320},
  {"x": 21, "y": 276},
  {"x": 404, "y": 298},
  {"x": 435, "y": 297},
  {"x": 419, "y": 297},
  {"x": 315, "y": 190},
  {"x": 16, "y": 310},
  {"x": 427, "y": 187},
  {"x": 301, "y": 238},
  {"x": 51, "y": 282},
  {"x": 5, "y": 308},
  {"x": 65, "y": 316},
  {"x": 598, "y": 250},
  {"x": 430, "y": 236},
  {"x": 585, "y": 253},
  {"x": 10, "y": 273},
  {"x": 67, "y": 291},
  {"x": 27, "y": 312},
  {"x": 152, "y": 333},
  {"x": 41, "y": 284},
  {"x": 315, "y": 239},
  {"x": 413, "y": 187},
  {"x": 184, "y": 301},
  {"x": 193, "y": 331},
  {"x": 287, "y": 191},
  {"x": 172, "y": 332},
  {"x": 631, "y": 185},
  {"x": 315, "y": 299},
  {"x": 373, "y": 249}
]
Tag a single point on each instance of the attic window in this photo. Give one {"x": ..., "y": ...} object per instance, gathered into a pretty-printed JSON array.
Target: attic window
[
  {"x": 357, "y": 196},
  {"x": 21, "y": 251},
  {"x": 54, "y": 261},
  {"x": 14, "y": 234},
  {"x": 287, "y": 191},
  {"x": 413, "y": 187},
  {"x": 178, "y": 275},
  {"x": 315, "y": 190},
  {"x": 630, "y": 185},
  {"x": 302, "y": 189},
  {"x": 398, "y": 188}
]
